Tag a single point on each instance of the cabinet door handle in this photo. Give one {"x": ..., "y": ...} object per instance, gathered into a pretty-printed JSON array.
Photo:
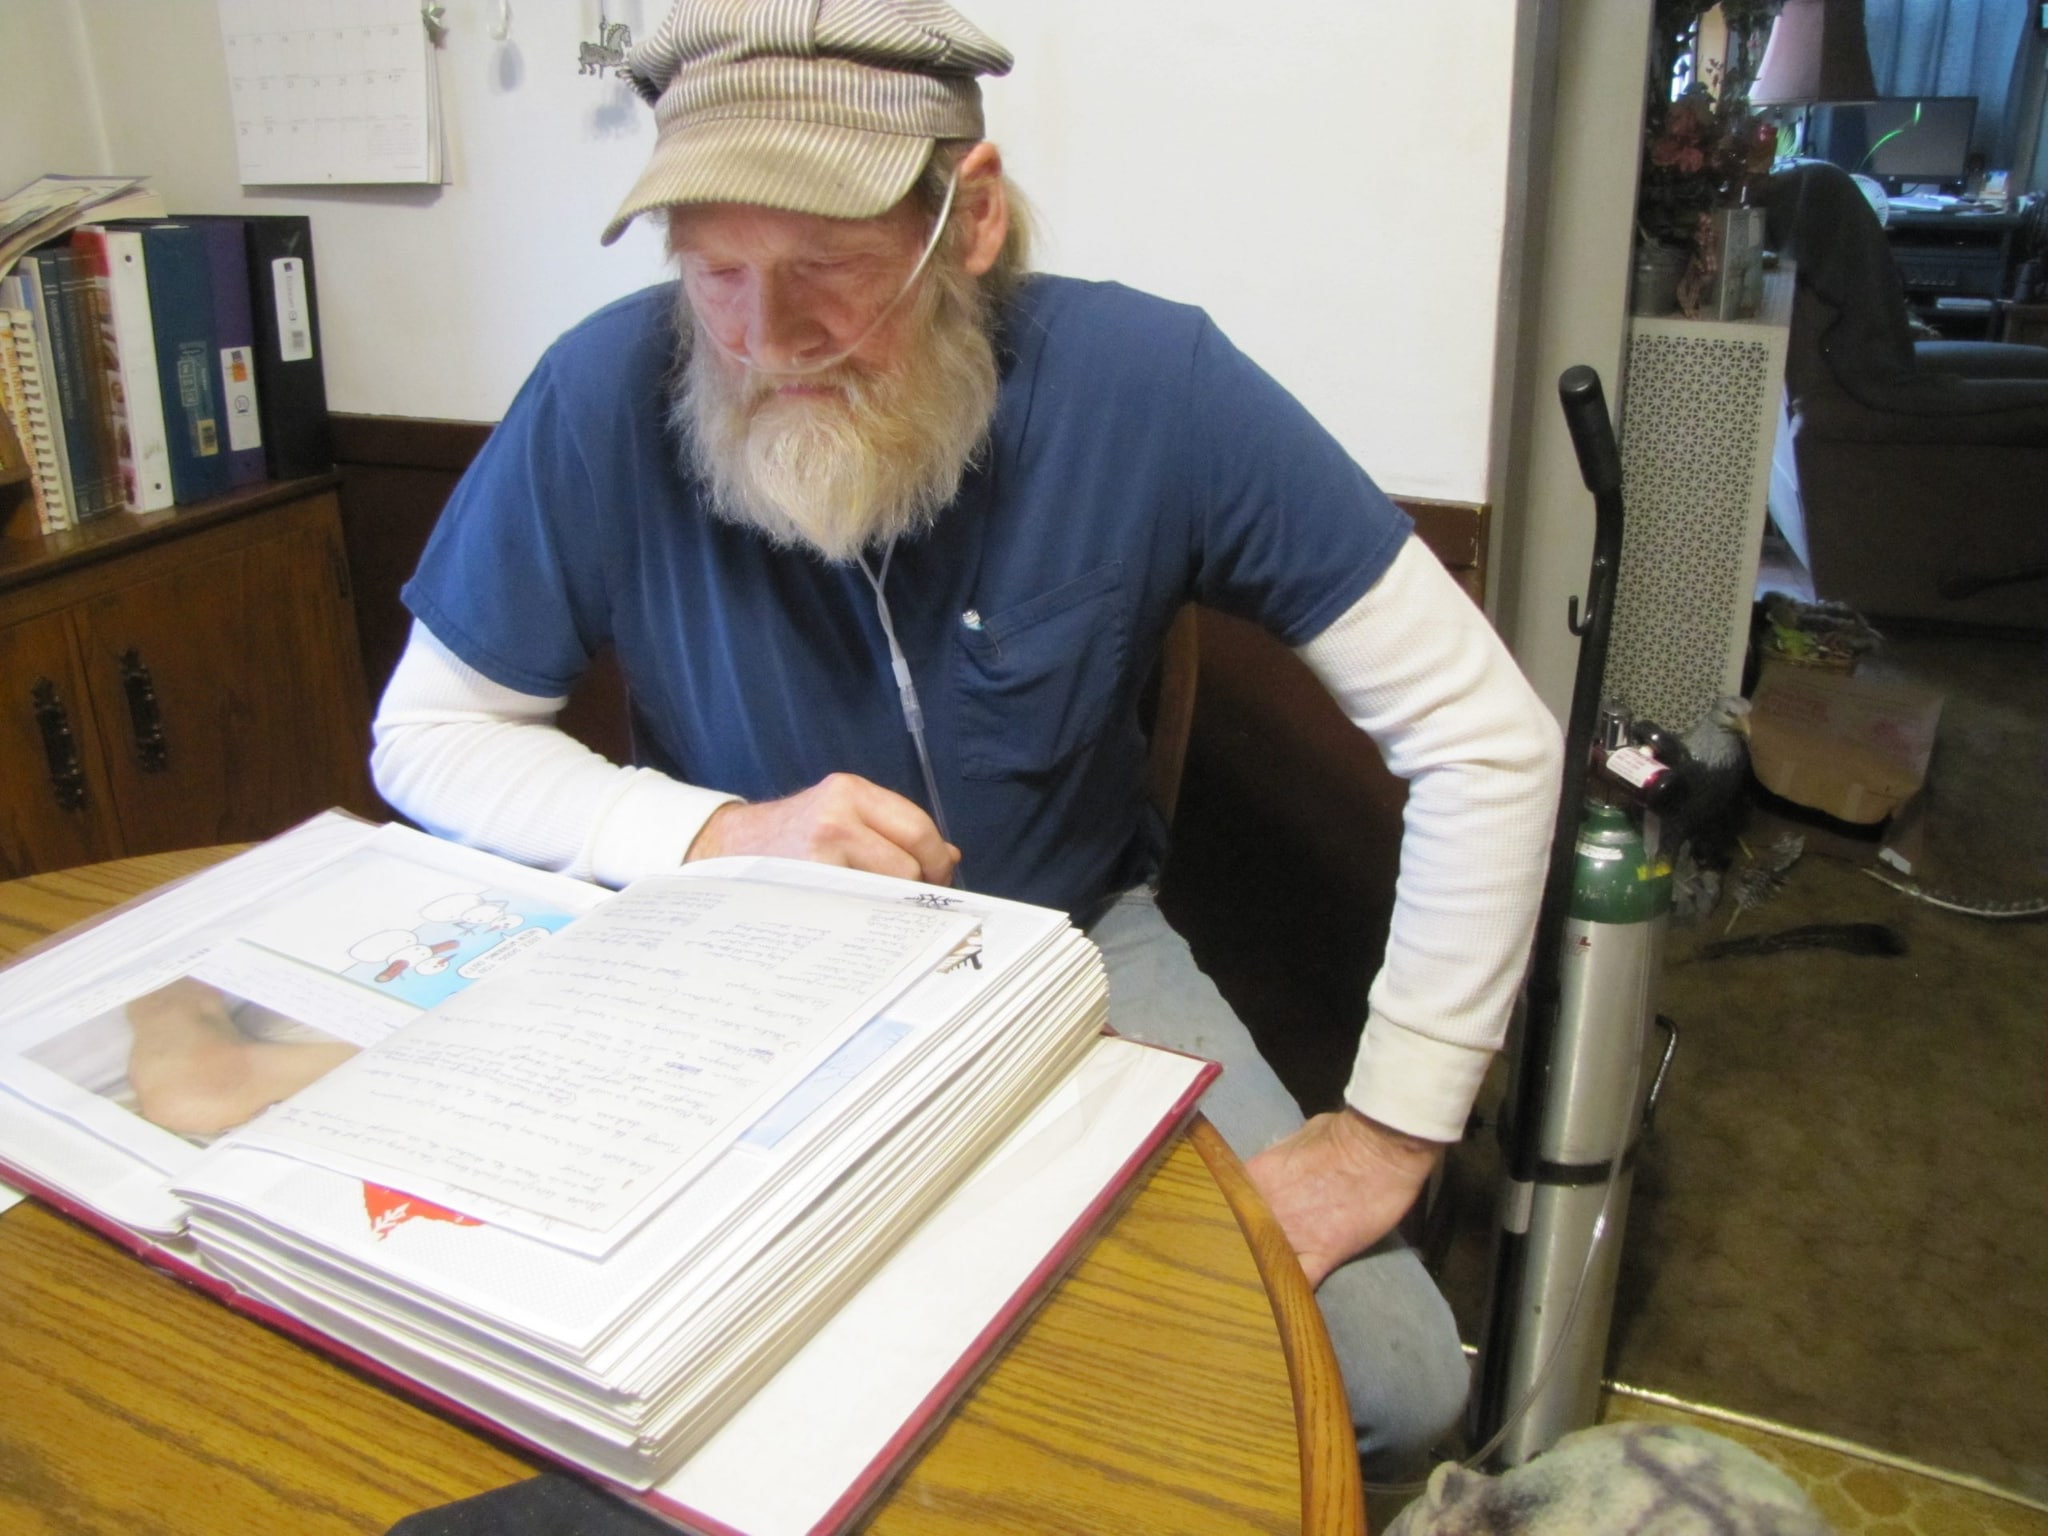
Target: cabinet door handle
[
  {"x": 67, "y": 777},
  {"x": 337, "y": 563},
  {"x": 152, "y": 752}
]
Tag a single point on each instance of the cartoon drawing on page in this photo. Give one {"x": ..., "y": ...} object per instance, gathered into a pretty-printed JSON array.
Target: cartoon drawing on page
[
  {"x": 471, "y": 911},
  {"x": 404, "y": 930},
  {"x": 443, "y": 954}
]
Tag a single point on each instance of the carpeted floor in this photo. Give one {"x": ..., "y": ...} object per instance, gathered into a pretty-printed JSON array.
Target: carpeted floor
[{"x": 1841, "y": 1221}]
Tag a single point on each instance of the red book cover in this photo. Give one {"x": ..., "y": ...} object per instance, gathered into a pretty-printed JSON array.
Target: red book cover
[
  {"x": 110, "y": 403},
  {"x": 1004, "y": 1316}
]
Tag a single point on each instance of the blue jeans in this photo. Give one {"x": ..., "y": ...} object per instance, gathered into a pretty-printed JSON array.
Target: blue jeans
[{"x": 1395, "y": 1339}]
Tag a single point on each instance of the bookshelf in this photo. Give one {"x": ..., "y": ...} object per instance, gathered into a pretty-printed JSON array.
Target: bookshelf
[{"x": 178, "y": 679}]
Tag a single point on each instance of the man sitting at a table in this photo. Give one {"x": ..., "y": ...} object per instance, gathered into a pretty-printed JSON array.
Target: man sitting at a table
[{"x": 885, "y": 531}]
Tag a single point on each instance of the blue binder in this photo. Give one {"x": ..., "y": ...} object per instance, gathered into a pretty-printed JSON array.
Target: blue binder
[
  {"x": 187, "y": 358},
  {"x": 234, "y": 328}
]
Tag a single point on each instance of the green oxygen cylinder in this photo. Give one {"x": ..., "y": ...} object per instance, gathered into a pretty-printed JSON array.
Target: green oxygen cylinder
[
  {"x": 1564, "y": 1299},
  {"x": 1613, "y": 877}
]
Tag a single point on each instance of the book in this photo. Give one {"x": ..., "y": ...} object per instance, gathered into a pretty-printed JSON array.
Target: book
[
  {"x": 94, "y": 316},
  {"x": 234, "y": 329},
  {"x": 50, "y": 206},
  {"x": 26, "y": 284},
  {"x": 30, "y": 405},
  {"x": 718, "y": 1190},
  {"x": 127, "y": 333},
  {"x": 291, "y": 389},
  {"x": 33, "y": 406},
  {"x": 187, "y": 353},
  {"x": 81, "y": 382},
  {"x": 17, "y": 461}
]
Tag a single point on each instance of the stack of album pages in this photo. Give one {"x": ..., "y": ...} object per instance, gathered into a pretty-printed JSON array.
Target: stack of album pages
[{"x": 717, "y": 1188}]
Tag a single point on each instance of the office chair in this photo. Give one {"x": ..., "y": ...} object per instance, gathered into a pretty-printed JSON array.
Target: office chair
[{"x": 1919, "y": 469}]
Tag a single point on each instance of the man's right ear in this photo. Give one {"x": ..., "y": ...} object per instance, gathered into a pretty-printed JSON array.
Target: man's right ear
[{"x": 981, "y": 202}]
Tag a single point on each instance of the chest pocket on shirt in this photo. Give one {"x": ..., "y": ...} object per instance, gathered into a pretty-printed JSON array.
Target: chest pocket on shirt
[{"x": 1036, "y": 681}]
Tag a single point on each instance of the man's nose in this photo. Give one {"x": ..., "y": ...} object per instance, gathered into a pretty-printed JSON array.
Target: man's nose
[{"x": 782, "y": 329}]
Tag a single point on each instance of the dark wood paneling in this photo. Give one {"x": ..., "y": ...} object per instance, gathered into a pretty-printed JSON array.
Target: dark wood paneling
[
  {"x": 1288, "y": 835},
  {"x": 397, "y": 473},
  {"x": 409, "y": 442},
  {"x": 396, "y": 476},
  {"x": 1288, "y": 828},
  {"x": 1456, "y": 532}
]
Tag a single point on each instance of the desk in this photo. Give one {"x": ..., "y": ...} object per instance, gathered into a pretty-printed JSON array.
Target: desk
[
  {"x": 1178, "y": 1379},
  {"x": 1964, "y": 257}
]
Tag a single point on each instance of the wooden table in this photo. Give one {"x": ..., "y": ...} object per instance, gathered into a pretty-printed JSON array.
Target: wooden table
[{"x": 1178, "y": 1380}]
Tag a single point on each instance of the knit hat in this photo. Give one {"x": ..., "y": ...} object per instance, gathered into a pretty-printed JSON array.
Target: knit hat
[{"x": 829, "y": 107}]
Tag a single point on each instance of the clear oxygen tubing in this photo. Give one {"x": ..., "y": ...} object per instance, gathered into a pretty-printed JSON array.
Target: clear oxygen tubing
[
  {"x": 906, "y": 687},
  {"x": 819, "y": 365},
  {"x": 1474, "y": 1461},
  {"x": 906, "y": 692}
]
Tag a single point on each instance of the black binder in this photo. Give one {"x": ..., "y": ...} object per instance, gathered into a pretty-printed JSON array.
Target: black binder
[{"x": 291, "y": 391}]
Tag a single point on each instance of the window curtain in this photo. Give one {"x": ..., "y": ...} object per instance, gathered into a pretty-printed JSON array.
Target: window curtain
[{"x": 1980, "y": 48}]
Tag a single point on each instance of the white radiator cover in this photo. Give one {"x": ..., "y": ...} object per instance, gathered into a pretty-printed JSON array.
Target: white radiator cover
[{"x": 1699, "y": 418}]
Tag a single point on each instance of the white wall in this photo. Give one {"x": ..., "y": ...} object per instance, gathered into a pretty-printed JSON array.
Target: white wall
[
  {"x": 1577, "y": 260},
  {"x": 1327, "y": 179},
  {"x": 48, "y": 122}
]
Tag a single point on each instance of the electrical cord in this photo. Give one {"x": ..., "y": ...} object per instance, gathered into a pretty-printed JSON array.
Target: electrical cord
[{"x": 906, "y": 693}]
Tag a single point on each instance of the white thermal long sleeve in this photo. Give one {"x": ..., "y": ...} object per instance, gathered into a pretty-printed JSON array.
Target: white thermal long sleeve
[
  {"x": 1416, "y": 667},
  {"x": 472, "y": 760}
]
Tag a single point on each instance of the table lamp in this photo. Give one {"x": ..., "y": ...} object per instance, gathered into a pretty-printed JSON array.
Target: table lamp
[{"x": 1817, "y": 52}]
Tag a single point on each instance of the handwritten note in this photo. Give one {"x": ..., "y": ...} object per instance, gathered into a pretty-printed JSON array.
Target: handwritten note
[{"x": 585, "y": 1081}]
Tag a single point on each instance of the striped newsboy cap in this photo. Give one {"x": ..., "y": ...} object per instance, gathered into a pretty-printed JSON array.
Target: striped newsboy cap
[{"x": 818, "y": 106}]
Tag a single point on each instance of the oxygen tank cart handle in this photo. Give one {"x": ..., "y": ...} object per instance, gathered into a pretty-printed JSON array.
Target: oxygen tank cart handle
[
  {"x": 1585, "y": 418},
  {"x": 1592, "y": 433}
]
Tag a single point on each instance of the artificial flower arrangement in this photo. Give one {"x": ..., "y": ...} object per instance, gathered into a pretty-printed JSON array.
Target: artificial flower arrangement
[{"x": 1705, "y": 148}]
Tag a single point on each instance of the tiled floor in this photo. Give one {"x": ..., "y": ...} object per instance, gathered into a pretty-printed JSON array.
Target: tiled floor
[{"x": 1860, "y": 1492}]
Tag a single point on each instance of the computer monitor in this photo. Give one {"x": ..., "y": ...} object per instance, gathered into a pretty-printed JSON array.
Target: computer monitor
[{"x": 1902, "y": 141}]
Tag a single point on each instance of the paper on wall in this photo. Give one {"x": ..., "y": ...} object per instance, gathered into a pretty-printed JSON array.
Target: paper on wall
[{"x": 327, "y": 94}]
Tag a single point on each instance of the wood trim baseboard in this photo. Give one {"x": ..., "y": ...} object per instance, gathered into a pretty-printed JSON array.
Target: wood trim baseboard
[
  {"x": 1456, "y": 533},
  {"x": 408, "y": 442}
]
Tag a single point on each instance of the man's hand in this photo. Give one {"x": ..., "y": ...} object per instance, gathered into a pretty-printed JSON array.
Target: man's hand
[
  {"x": 842, "y": 819},
  {"x": 1339, "y": 1184}
]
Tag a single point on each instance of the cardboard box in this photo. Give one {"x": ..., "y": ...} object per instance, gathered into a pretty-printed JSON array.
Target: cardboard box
[{"x": 1850, "y": 745}]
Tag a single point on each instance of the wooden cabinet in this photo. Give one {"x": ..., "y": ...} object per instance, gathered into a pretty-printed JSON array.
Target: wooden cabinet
[{"x": 178, "y": 679}]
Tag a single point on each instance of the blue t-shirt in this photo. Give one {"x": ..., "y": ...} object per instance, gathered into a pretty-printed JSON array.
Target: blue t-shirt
[{"x": 1136, "y": 461}]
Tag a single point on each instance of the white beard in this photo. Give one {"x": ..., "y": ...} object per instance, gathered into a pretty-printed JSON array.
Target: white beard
[{"x": 876, "y": 457}]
